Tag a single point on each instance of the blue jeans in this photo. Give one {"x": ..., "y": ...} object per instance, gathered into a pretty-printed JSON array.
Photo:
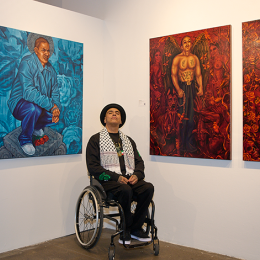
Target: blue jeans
[{"x": 32, "y": 117}]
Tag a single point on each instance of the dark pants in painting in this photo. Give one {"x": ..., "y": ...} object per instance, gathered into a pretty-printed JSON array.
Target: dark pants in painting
[
  {"x": 188, "y": 142},
  {"x": 32, "y": 117},
  {"x": 142, "y": 190}
]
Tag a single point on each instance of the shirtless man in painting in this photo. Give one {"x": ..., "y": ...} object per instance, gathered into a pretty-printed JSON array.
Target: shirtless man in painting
[{"x": 185, "y": 73}]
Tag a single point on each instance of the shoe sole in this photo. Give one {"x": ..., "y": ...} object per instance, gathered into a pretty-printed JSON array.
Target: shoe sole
[
  {"x": 127, "y": 242},
  {"x": 148, "y": 239}
]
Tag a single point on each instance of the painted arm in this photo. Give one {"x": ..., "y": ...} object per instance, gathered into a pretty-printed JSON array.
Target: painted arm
[
  {"x": 55, "y": 92},
  {"x": 174, "y": 75},
  {"x": 198, "y": 77},
  {"x": 55, "y": 97}
]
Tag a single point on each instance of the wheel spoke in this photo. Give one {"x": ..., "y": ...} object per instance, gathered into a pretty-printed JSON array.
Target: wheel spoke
[{"x": 88, "y": 223}]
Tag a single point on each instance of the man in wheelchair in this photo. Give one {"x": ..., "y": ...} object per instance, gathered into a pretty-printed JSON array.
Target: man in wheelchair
[{"x": 113, "y": 159}]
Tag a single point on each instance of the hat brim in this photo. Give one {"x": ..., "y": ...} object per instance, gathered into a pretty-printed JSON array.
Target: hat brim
[
  {"x": 34, "y": 36},
  {"x": 107, "y": 107}
]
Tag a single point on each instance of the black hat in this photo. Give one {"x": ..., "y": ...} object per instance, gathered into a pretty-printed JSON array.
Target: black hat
[{"x": 113, "y": 105}]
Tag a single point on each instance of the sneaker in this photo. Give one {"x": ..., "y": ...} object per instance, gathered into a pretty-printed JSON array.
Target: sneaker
[
  {"x": 28, "y": 149},
  {"x": 140, "y": 235},
  {"x": 38, "y": 132},
  {"x": 127, "y": 238}
]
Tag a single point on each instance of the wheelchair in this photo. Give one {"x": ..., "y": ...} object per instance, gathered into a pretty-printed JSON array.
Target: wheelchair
[{"x": 90, "y": 214}]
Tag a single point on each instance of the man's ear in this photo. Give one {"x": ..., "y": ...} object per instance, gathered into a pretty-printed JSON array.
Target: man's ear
[{"x": 35, "y": 50}]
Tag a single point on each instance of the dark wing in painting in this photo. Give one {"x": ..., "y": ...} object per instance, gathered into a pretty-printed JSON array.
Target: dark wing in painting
[
  {"x": 171, "y": 49},
  {"x": 201, "y": 49}
]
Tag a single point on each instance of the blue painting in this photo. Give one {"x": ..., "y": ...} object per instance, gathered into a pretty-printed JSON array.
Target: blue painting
[{"x": 41, "y": 91}]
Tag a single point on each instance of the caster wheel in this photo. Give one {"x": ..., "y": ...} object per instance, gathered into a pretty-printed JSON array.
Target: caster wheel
[
  {"x": 111, "y": 253},
  {"x": 156, "y": 249}
]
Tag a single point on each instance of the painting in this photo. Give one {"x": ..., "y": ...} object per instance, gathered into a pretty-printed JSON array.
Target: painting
[
  {"x": 190, "y": 94},
  {"x": 41, "y": 90},
  {"x": 251, "y": 90}
]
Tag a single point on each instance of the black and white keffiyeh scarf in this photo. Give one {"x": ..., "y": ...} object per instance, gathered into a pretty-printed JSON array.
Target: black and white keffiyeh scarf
[{"x": 108, "y": 155}]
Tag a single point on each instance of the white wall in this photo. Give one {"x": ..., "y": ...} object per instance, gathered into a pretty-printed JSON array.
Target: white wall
[
  {"x": 206, "y": 204},
  {"x": 38, "y": 195},
  {"x": 201, "y": 203}
]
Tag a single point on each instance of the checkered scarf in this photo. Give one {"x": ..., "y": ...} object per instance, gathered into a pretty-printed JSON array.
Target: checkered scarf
[{"x": 108, "y": 155}]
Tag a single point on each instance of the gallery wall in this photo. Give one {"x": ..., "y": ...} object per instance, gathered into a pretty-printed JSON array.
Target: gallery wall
[
  {"x": 201, "y": 203},
  {"x": 38, "y": 195},
  {"x": 207, "y": 204}
]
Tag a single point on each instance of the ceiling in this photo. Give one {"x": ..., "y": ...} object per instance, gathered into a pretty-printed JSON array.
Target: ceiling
[{"x": 94, "y": 8}]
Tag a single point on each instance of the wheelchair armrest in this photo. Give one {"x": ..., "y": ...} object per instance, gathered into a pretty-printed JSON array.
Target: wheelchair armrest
[{"x": 99, "y": 187}]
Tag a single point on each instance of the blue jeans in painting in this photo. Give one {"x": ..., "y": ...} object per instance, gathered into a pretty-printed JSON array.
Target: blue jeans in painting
[{"x": 33, "y": 118}]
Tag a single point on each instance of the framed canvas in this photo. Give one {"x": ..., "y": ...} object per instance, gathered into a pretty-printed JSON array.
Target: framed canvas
[
  {"x": 251, "y": 90},
  {"x": 190, "y": 93},
  {"x": 41, "y": 81}
]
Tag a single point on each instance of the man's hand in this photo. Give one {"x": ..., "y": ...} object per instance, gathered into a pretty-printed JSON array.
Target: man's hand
[
  {"x": 200, "y": 93},
  {"x": 55, "y": 114},
  {"x": 133, "y": 179},
  {"x": 180, "y": 93},
  {"x": 122, "y": 180},
  {"x": 55, "y": 119}
]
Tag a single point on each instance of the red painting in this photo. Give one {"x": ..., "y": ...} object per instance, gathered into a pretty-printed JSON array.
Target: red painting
[
  {"x": 251, "y": 90},
  {"x": 190, "y": 94}
]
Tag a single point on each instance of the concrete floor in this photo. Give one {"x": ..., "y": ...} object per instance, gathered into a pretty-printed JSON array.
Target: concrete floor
[{"x": 68, "y": 248}]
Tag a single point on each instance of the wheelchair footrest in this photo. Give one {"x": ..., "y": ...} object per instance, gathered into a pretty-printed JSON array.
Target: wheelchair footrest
[{"x": 138, "y": 244}]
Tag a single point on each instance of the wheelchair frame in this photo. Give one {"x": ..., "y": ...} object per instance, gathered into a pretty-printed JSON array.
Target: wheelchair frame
[{"x": 89, "y": 219}]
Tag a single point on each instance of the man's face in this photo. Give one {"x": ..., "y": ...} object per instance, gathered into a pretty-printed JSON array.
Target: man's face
[
  {"x": 43, "y": 52},
  {"x": 158, "y": 57},
  {"x": 213, "y": 51},
  {"x": 172, "y": 101},
  {"x": 186, "y": 43},
  {"x": 113, "y": 117}
]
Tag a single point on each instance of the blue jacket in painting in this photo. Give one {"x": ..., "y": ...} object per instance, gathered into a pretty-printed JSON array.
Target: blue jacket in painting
[{"x": 35, "y": 84}]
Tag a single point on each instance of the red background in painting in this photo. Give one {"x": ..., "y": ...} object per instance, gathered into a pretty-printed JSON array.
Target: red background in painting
[
  {"x": 251, "y": 91},
  {"x": 212, "y": 111}
]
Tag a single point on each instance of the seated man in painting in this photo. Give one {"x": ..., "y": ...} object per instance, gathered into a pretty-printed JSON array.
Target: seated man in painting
[{"x": 35, "y": 99}]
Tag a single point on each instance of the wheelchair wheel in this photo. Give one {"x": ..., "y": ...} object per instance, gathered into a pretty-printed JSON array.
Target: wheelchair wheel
[
  {"x": 156, "y": 249},
  {"x": 89, "y": 217},
  {"x": 111, "y": 253},
  {"x": 145, "y": 226}
]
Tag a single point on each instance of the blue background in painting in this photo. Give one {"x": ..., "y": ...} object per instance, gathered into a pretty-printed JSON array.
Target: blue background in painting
[{"x": 67, "y": 61}]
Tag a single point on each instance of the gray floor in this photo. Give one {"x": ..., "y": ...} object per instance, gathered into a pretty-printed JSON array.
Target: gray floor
[{"x": 68, "y": 248}]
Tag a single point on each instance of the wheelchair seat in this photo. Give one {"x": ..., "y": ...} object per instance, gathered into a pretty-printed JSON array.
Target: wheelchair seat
[{"x": 90, "y": 214}]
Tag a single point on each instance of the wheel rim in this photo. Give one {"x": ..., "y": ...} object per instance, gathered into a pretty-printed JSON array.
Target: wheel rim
[{"x": 87, "y": 218}]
